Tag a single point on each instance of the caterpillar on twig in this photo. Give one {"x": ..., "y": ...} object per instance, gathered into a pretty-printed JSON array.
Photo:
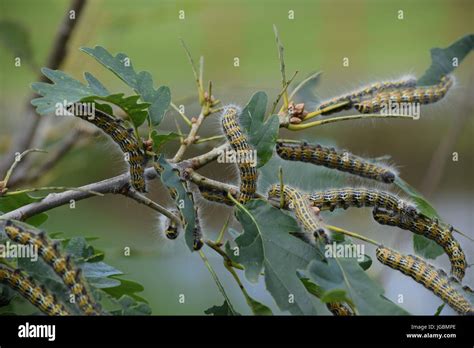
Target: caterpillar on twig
[
  {"x": 123, "y": 137},
  {"x": 331, "y": 158},
  {"x": 431, "y": 229},
  {"x": 339, "y": 309},
  {"x": 36, "y": 295},
  {"x": 355, "y": 97},
  {"x": 422, "y": 95},
  {"x": 61, "y": 265},
  {"x": 361, "y": 197},
  {"x": 239, "y": 143},
  {"x": 427, "y": 275},
  {"x": 304, "y": 213}
]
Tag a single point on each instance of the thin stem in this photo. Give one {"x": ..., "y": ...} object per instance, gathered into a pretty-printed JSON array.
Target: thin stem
[
  {"x": 221, "y": 252},
  {"x": 217, "y": 281},
  {"x": 321, "y": 111},
  {"x": 282, "y": 188},
  {"x": 282, "y": 93},
  {"x": 215, "y": 137},
  {"x": 282, "y": 66},
  {"x": 193, "y": 66},
  {"x": 152, "y": 204},
  {"x": 352, "y": 234},
  {"x": 302, "y": 126},
  {"x": 183, "y": 116},
  {"x": 51, "y": 188},
  {"x": 222, "y": 231},
  {"x": 15, "y": 163}
]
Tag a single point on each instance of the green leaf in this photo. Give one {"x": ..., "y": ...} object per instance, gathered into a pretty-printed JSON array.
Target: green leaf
[
  {"x": 141, "y": 83},
  {"x": 266, "y": 243},
  {"x": 423, "y": 246},
  {"x": 366, "y": 262},
  {"x": 170, "y": 178},
  {"x": 439, "y": 309},
  {"x": 222, "y": 310},
  {"x": 343, "y": 280},
  {"x": 15, "y": 37},
  {"x": 442, "y": 60},
  {"x": 160, "y": 139},
  {"x": 126, "y": 287},
  {"x": 262, "y": 135},
  {"x": 63, "y": 88},
  {"x": 131, "y": 307},
  {"x": 257, "y": 308},
  {"x": 10, "y": 203}
]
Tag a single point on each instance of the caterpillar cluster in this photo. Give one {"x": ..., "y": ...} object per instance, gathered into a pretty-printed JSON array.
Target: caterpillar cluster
[
  {"x": 61, "y": 265},
  {"x": 36, "y": 295},
  {"x": 355, "y": 97},
  {"x": 431, "y": 229},
  {"x": 304, "y": 213},
  {"x": 427, "y": 275},
  {"x": 124, "y": 138},
  {"x": 361, "y": 197},
  {"x": 331, "y": 158},
  {"x": 239, "y": 143},
  {"x": 422, "y": 95}
]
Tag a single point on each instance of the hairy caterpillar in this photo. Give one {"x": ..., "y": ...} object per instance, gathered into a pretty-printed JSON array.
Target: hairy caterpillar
[
  {"x": 239, "y": 143},
  {"x": 36, "y": 295},
  {"x": 172, "y": 231},
  {"x": 361, "y": 197},
  {"x": 356, "y": 96},
  {"x": 213, "y": 194},
  {"x": 61, "y": 265},
  {"x": 339, "y": 309},
  {"x": 124, "y": 138},
  {"x": 427, "y": 275},
  {"x": 197, "y": 232},
  {"x": 339, "y": 160},
  {"x": 431, "y": 229},
  {"x": 422, "y": 95},
  {"x": 304, "y": 213}
]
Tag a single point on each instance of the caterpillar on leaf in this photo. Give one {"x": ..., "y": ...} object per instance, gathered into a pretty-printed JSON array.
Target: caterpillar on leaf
[
  {"x": 61, "y": 264},
  {"x": 38, "y": 296},
  {"x": 427, "y": 275},
  {"x": 339, "y": 160}
]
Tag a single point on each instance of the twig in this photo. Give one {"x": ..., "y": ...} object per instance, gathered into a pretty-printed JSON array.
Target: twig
[
  {"x": 201, "y": 160},
  {"x": 152, "y": 204},
  {"x": 24, "y": 139},
  {"x": 190, "y": 139},
  {"x": 14, "y": 164},
  {"x": 282, "y": 66},
  {"x": 183, "y": 116},
  {"x": 352, "y": 234},
  {"x": 50, "y": 188},
  {"x": 284, "y": 91},
  {"x": 297, "y": 127}
]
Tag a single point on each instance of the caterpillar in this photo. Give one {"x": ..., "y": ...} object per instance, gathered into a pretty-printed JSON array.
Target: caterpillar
[
  {"x": 197, "y": 232},
  {"x": 339, "y": 309},
  {"x": 213, "y": 194},
  {"x": 61, "y": 265},
  {"x": 427, "y": 275},
  {"x": 361, "y": 197},
  {"x": 431, "y": 229},
  {"x": 123, "y": 137},
  {"x": 355, "y": 97},
  {"x": 36, "y": 295},
  {"x": 331, "y": 158},
  {"x": 304, "y": 213},
  {"x": 172, "y": 231},
  {"x": 422, "y": 95},
  {"x": 239, "y": 143}
]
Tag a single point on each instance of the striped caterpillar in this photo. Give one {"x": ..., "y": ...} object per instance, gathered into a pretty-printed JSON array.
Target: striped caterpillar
[
  {"x": 61, "y": 265},
  {"x": 123, "y": 137},
  {"x": 172, "y": 231},
  {"x": 427, "y": 275},
  {"x": 422, "y": 95},
  {"x": 36, "y": 295},
  {"x": 339, "y": 309},
  {"x": 239, "y": 143},
  {"x": 431, "y": 229},
  {"x": 197, "y": 232},
  {"x": 361, "y": 197},
  {"x": 304, "y": 213},
  {"x": 355, "y": 97},
  {"x": 330, "y": 158}
]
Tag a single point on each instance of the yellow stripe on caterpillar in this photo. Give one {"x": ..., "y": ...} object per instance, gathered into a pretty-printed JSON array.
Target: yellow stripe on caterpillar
[
  {"x": 339, "y": 160},
  {"x": 427, "y": 275},
  {"x": 304, "y": 213},
  {"x": 431, "y": 229},
  {"x": 356, "y": 96},
  {"x": 36, "y": 295},
  {"x": 421, "y": 95},
  {"x": 51, "y": 255},
  {"x": 239, "y": 143},
  {"x": 123, "y": 137},
  {"x": 361, "y": 197}
]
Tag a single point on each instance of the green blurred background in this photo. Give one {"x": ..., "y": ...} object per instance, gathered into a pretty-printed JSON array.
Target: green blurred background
[{"x": 379, "y": 47}]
